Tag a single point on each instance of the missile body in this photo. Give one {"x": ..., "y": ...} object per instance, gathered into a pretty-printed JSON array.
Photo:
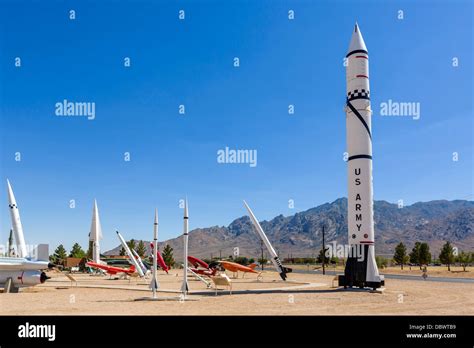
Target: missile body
[
  {"x": 154, "y": 280},
  {"x": 130, "y": 255},
  {"x": 359, "y": 163},
  {"x": 95, "y": 234},
  {"x": 185, "y": 287},
  {"x": 275, "y": 259},
  {"x": 16, "y": 224},
  {"x": 139, "y": 261}
]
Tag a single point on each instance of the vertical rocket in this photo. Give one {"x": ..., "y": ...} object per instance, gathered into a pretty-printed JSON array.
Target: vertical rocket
[
  {"x": 361, "y": 269},
  {"x": 275, "y": 259},
  {"x": 184, "y": 287},
  {"x": 16, "y": 224},
  {"x": 95, "y": 234},
  {"x": 154, "y": 281}
]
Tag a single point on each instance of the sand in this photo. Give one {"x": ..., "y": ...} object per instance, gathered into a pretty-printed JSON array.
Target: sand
[{"x": 305, "y": 294}]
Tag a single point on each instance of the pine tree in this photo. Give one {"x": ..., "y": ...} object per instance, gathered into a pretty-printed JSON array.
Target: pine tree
[
  {"x": 59, "y": 255},
  {"x": 415, "y": 254},
  {"x": 10, "y": 250},
  {"x": 400, "y": 255},
  {"x": 131, "y": 244},
  {"x": 425, "y": 255},
  {"x": 167, "y": 255},
  {"x": 141, "y": 249},
  {"x": 122, "y": 251},
  {"x": 465, "y": 259},
  {"x": 446, "y": 255},
  {"x": 89, "y": 250},
  {"x": 77, "y": 251},
  {"x": 322, "y": 256}
]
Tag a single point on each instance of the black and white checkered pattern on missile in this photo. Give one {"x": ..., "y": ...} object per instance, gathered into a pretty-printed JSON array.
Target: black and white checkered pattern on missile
[{"x": 358, "y": 94}]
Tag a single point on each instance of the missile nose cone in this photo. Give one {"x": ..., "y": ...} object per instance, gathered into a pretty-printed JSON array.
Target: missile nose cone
[
  {"x": 11, "y": 197},
  {"x": 357, "y": 41}
]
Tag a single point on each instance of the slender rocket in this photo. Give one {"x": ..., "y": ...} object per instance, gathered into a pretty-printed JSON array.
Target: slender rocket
[
  {"x": 130, "y": 255},
  {"x": 275, "y": 259},
  {"x": 16, "y": 224},
  {"x": 361, "y": 269},
  {"x": 154, "y": 281},
  {"x": 185, "y": 287},
  {"x": 95, "y": 234}
]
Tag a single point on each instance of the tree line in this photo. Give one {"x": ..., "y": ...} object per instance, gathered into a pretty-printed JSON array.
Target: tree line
[
  {"x": 420, "y": 255},
  {"x": 60, "y": 254}
]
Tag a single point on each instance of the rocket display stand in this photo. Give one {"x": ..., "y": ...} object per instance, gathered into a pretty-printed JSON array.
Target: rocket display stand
[{"x": 355, "y": 274}]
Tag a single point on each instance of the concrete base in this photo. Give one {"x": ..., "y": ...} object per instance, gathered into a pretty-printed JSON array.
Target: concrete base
[
  {"x": 169, "y": 298},
  {"x": 377, "y": 291}
]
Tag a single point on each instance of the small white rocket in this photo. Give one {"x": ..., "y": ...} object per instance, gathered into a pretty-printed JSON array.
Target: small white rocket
[
  {"x": 154, "y": 280},
  {"x": 95, "y": 234},
  {"x": 16, "y": 224},
  {"x": 275, "y": 259},
  {"x": 361, "y": 268},
  {"x": 185, "y": 287},
  {"x": 130, "y": 255}
]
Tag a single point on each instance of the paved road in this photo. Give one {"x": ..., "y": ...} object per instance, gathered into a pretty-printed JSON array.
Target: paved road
[{"x": 398, "y": 276}]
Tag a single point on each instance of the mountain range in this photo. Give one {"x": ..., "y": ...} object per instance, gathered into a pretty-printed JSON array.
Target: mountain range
[{"x": 300, "y": 235}]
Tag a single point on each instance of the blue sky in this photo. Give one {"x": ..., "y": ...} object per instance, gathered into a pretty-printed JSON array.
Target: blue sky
[{"x": 190, "y": 62}]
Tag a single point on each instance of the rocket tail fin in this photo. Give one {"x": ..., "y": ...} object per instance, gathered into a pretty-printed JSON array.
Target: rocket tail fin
[
  {"x": 284, "y": 271},
  {"x": 252, "y": 266}
]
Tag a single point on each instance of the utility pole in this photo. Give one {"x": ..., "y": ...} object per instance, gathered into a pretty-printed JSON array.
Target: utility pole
[{"x": 324, "y": 254}]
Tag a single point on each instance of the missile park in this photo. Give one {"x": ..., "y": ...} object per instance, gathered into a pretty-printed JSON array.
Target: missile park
[{"x": 175, "y": 232}]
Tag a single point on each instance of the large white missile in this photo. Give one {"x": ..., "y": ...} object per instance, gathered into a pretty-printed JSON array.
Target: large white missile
[
  {"x": 274, "y": 257},
  {"x": 130, "y": 255},
  {"x": 95, "y": 234},
  {"x": 16, "y": 224},
  {"x": 154, "y": 281},
  {"x": 185, "y": 287},
  {"x": 359, "y": 148}
]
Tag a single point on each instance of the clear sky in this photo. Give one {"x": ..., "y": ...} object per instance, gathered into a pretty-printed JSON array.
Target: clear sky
[{"x": 191, "y": 62}]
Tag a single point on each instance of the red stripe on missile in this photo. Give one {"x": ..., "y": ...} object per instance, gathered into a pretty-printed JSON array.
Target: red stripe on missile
[
  {"x": 362, "y": 76},
  {"x": 362, "y": 57}
]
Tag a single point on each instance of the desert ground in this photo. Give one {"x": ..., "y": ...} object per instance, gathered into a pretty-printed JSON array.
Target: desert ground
[{"x": 302, "y": 294}]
